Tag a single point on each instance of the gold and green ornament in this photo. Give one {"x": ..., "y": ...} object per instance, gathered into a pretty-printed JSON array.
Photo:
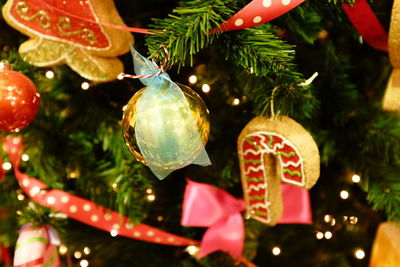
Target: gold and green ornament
[
  {"x": 165, "y": 125},
  {"x": 68, "y": 32}
]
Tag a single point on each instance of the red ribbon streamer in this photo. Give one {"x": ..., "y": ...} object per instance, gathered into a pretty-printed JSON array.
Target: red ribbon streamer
[
  {"x": 88, "y": 212},
  {"x": 84, "y": 210},
  {"x": 367, "y": 24}
]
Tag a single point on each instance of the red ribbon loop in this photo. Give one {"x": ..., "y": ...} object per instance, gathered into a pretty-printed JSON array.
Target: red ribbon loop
[{"x": 208, "y": 206}]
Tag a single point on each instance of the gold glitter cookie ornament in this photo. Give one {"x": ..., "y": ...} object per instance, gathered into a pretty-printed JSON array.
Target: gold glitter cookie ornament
[
  {"x": 271, "y": 151},
  {"x": 58, "y": 35}
]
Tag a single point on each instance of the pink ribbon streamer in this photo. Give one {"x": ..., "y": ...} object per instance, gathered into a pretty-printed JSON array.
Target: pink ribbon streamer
[
  {"x": 208, "y": 206},
  {"x": 367, "y": 24}
]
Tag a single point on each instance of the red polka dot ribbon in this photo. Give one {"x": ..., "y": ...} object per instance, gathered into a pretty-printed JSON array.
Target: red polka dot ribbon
[
  {"x": 88, "y": 212},
  {"x": 367, "y": 24},
  {"x": 84, "y": 210},
  {"x": 258, "y": 12}
]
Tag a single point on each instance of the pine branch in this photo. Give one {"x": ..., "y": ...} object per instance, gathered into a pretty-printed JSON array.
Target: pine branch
[
  {"x": 260, "y": 52},
  {"x": 186, "y": 31},
  {"x": 302, "y": 24}
]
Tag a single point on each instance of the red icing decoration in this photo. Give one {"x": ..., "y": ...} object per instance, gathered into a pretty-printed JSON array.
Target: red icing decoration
[
  {"x": 78, "y": 8},
  {"x": 19, "y": 100},
  {"x": 367, "y": 24},
  {"x": 256, "y": 182}
]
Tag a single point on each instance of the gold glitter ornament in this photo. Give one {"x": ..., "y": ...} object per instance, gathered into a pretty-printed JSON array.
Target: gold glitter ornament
[
  {"x": 197, "y": 107},
  {"x": 391, "y": 99}
]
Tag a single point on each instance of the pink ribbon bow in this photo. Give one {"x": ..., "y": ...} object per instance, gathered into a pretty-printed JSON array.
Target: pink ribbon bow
[{"x": 208, "y": 206}]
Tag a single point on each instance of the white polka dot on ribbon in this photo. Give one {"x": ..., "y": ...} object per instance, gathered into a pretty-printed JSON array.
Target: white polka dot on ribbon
[{"x": 267, "y": 3}]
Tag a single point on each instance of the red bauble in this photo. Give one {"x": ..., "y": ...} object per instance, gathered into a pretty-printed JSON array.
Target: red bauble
[{"x": 19, "y": 100}]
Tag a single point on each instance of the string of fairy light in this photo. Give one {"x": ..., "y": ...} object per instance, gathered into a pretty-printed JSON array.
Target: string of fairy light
[{"x": 276, "y": 250}]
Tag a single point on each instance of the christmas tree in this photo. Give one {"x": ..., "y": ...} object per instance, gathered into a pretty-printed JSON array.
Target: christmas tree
[{"x": 312, "y": 61}]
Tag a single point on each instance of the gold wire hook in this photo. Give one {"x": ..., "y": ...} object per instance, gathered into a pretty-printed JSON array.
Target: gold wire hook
[{"x": 272, "y": 101}]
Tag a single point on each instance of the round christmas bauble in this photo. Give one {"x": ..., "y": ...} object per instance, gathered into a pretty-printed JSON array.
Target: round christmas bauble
[
  {"x": 19, "y": 100},
  {"x": 196, "y": 106}
]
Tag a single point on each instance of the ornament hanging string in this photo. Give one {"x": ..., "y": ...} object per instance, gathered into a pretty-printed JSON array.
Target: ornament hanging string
[
  {"x": 305, "y": 83},
  {"x": 272, "y": 101},
  {"x": 118, "y": 27},
  {"x": 164, "y": 67},
  {"x": 257, "y": 12}
]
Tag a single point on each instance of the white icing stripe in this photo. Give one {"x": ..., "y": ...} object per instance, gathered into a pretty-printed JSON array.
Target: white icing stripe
[
  {"x": 278, "y": 146},
  {"x": 253, "y": 152},
  {"x": 256, "y": 187},
  {"x": 260, "y": 205},
  {"x": 254, "y": 169},
  {"x": 289, "y": 181},
  {"x": 291, "y": 163}
]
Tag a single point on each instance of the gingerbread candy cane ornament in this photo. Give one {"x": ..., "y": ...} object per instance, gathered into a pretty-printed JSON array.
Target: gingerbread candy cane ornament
[{"x": 272, "y": 150}]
